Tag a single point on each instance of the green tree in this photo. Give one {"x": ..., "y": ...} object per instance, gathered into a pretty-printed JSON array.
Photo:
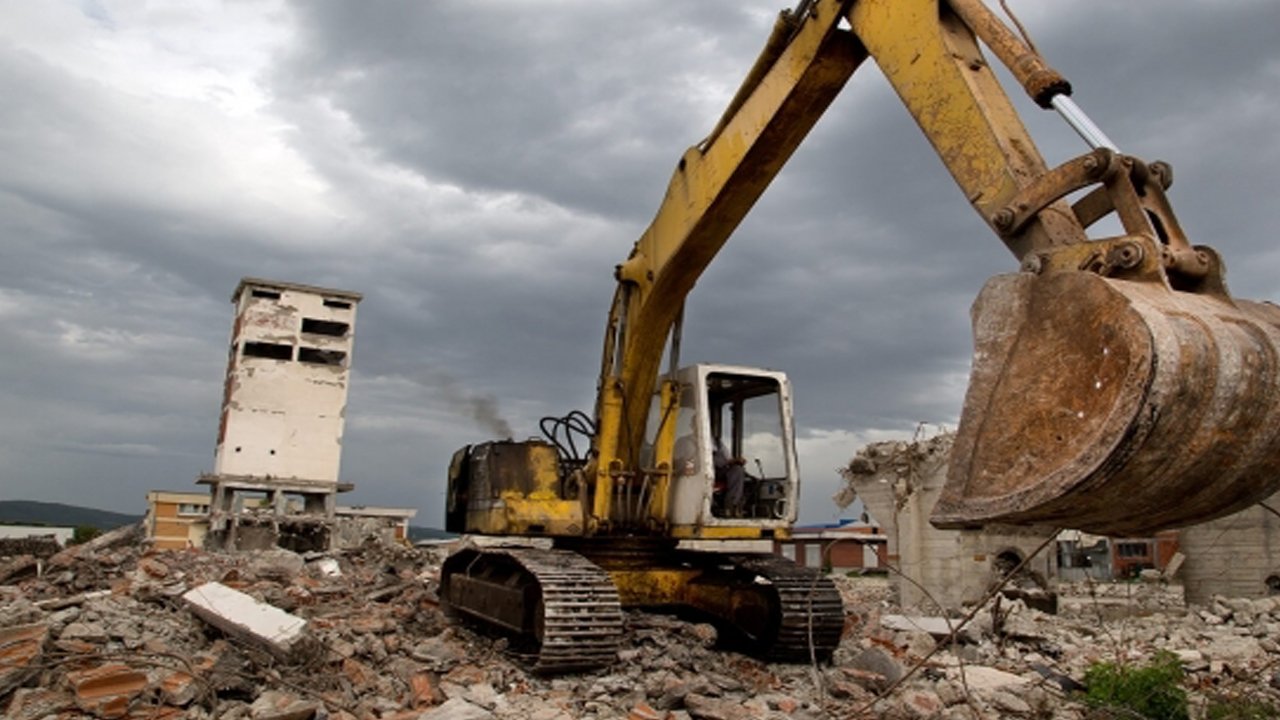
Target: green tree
[{"x": 84, "y": 533}]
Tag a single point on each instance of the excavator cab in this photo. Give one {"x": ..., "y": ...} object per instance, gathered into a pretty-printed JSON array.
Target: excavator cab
[{"x": 734, "y": 460}]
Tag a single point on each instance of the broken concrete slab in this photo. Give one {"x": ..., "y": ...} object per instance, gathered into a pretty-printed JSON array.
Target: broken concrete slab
[
  {"x": 38, "y": 703},
  {"x": 276, "y": 564},
  {"x": 981, "y": 677},
  {"x": 876, "y": 661},
  {"x": 90, "y": 632},
  {"x": 456, "y": 709},
  {"x": 939, "y": 627},
  {"x": 276, "y": 705},
  {"x": 280, "y": 633}
]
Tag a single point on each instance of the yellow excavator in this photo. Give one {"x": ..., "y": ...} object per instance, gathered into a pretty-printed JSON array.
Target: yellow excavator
[{"x": 1116, "y": 385}]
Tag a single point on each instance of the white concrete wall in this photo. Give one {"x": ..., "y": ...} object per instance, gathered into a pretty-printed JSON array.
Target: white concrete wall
[
  {"x": 284, "y": 418},
  {"x": 1231, "y": 556},
  {"x": 61, "y": 534}
]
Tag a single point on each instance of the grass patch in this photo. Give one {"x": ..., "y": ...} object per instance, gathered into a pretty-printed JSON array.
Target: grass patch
[
  {"x": 1240, "y": 709},
  {"x": 1153, "y": 691}
]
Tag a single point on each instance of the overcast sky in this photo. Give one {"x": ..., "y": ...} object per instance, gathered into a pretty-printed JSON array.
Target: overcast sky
[{"x": 476, "y": 169}]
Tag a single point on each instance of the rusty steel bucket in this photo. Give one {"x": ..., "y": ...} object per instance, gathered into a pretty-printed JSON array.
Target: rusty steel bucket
[{"x": 1117, "y": 407}]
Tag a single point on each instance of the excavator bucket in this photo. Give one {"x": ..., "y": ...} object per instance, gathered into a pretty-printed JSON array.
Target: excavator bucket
[{"x": 1117, "y": 407}]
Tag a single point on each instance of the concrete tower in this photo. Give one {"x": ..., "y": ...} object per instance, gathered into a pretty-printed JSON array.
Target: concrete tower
[{"x": 280, "y": 433}]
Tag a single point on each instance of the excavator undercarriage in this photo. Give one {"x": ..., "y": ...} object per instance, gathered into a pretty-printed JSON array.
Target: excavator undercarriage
[{"x": 564, "y": 613}]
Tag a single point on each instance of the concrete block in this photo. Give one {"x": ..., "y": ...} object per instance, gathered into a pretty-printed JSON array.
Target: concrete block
[
  {"x": 37, "y": 703},
  {"x": 276, "y": 705},
  {"x": 980, "y": 677},
  {"x": 280, "y": 633},
  {"x": 938, "y": 627}
]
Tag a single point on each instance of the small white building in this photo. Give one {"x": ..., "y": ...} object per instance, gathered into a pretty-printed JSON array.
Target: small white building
[{"x": 62, "y": 535}]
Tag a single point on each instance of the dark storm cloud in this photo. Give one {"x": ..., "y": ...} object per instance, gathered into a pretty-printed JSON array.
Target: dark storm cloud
[
  {"x": 476, "y": 170},
  {"x": 573, "y": 104}
]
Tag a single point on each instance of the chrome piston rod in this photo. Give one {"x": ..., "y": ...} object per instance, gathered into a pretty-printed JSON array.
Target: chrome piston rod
[{"x": 1081, "y": 123}]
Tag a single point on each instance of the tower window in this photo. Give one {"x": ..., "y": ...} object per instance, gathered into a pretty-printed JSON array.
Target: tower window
[
  {"x": 273, "y": 351},
  {"x": 317, "y": 356},
  {"x": 324, "y": 327},
  {"x": 265, "y": 294}
]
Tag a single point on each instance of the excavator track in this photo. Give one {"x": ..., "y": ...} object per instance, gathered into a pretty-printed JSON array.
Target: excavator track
[
  {"x": 809, "y": 613},
  {"x": 557, "y": 605}
]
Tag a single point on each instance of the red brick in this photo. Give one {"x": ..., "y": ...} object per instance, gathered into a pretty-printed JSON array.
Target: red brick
[
  {"x": 20, "y": 647},
  {"x": 366, "y": 624},
  {"x": 300, "y": 596},
  {"x": 360, "y": 675},
  {"x": 787, "y": 705},
  {"x": 392, "y": 643},
  {"x": 154, "y": 568},
  {"x": 107, "y": 690},
  {"x": 644, "y": 712},
  {"x": 467, "y": 675},
  {"x": 423, "y": 690},
  {"x": 179, "y": 688}
]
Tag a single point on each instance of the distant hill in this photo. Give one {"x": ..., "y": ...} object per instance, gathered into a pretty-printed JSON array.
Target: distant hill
[
  {"x": 417, "y": 533},
  {"x": 29, "y": 512}
]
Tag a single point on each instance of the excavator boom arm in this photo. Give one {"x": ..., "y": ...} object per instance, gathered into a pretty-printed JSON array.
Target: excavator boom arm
[{"x": 932, "y": 60}]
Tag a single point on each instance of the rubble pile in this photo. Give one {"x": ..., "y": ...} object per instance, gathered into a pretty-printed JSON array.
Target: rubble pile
[
  {"x": 112, "y": 629},
  {"x": 37, "y": 547}
]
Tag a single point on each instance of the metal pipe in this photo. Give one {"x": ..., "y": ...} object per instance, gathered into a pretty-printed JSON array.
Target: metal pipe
[
  {"x": 1081, "y": 123},
  {"x": 1041, "y": 82}
]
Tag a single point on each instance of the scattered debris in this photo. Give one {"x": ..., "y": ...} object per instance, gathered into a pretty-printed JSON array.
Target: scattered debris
[{"x": 114, "y": 633}]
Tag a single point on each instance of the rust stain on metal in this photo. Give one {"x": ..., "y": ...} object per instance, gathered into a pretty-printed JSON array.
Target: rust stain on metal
[{"x": 1091, "y": 398}]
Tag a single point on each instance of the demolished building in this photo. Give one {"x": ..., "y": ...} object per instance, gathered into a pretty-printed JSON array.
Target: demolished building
[
  {"x": 275, "y": 475},
  {"x": 899, "y": 482},
  {"x": 1238, "y": 555},
  {"x": 279, "y": 446}
]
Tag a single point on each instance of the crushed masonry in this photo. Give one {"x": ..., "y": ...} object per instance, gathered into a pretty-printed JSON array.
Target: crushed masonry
[{"x": 111, "y": 632}]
